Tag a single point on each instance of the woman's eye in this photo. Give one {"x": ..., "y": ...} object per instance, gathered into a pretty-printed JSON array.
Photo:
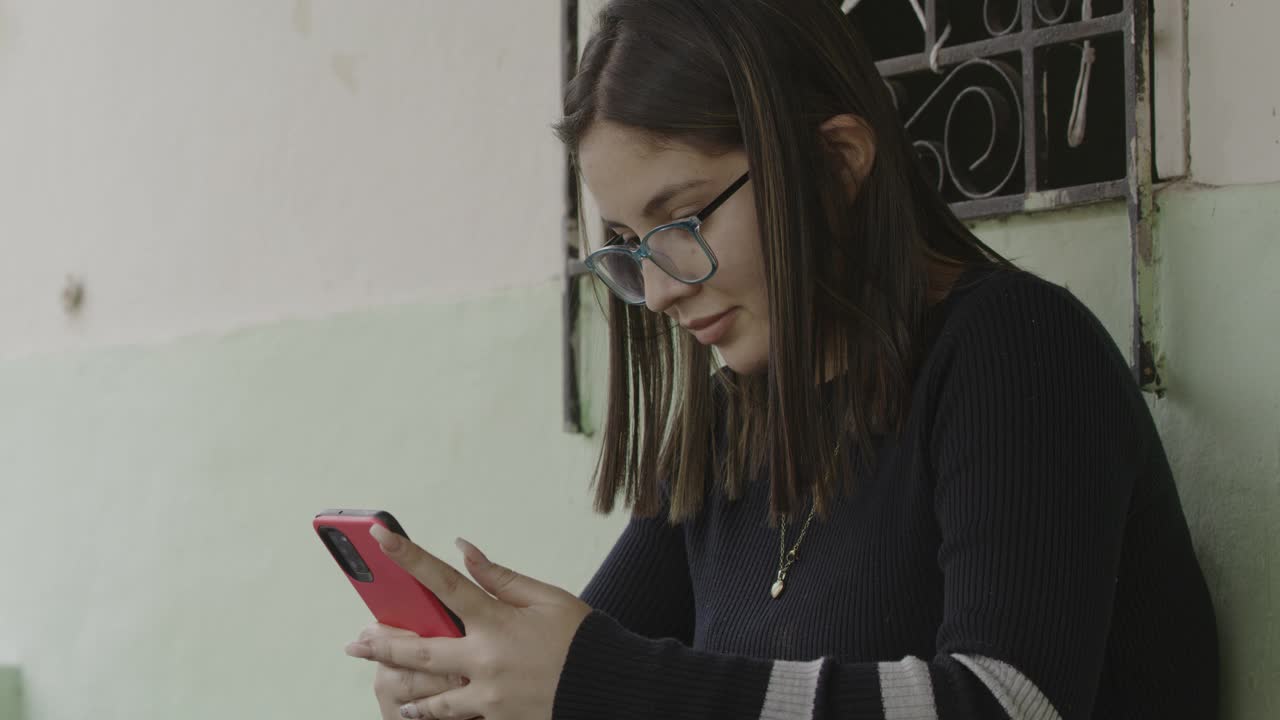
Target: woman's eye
[{"x": 624, "y": 241}]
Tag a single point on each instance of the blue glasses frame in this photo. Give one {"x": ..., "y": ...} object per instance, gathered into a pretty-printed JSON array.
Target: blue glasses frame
[{"x": 641, "y": 250}]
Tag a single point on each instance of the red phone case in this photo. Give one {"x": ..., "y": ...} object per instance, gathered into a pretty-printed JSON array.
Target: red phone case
[{"x": 395, "y": 597}]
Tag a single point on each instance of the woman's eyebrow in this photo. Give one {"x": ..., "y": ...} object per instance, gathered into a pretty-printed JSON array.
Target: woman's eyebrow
[{"x": 663, "y": 196}]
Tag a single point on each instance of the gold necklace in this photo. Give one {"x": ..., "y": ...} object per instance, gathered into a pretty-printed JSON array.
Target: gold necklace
[{"x": 787, "y": 559}]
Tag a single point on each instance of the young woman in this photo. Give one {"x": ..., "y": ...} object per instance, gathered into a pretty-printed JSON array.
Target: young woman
[{"x": 911, "y": 481}]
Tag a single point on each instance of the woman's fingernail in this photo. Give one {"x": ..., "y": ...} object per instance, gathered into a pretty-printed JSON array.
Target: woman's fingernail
[
  {"x": 389, "y": 541},
  {"x": 410, "y": 711},
  {"x": 359, "y": 650},
  {"x": 471, "y": 552}
]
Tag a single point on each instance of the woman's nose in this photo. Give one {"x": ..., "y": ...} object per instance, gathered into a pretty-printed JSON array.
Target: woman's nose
[{"x": 660, "y": 289}]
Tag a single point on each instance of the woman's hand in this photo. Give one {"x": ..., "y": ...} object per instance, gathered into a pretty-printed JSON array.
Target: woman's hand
[
  {"x": 518, "y": 636},
  {"x": 395, "y": 686}
]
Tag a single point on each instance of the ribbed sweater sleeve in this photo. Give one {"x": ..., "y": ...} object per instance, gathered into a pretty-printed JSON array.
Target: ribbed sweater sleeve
[
  {"x": 1037, "y": 444},
  {"x": 644, "y": 582},
  {"x": 1032, "y": 441}
]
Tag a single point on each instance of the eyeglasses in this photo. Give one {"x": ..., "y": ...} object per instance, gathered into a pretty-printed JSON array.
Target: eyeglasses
[{"x": 677, "y": 248}]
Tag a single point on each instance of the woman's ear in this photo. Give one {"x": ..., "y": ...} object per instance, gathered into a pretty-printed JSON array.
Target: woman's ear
[{"x": 852, "y": 143}]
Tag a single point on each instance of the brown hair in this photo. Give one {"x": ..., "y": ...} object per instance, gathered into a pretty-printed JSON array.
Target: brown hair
[{"x": 847, "y": 282}]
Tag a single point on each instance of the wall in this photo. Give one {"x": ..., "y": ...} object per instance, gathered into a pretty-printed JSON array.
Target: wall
[
  {"x": 211, "y": 165},
  {"x": 1235, "y": 120},
  {"x": 166, "y": 496},
  {"x": 320, "y": 247}
]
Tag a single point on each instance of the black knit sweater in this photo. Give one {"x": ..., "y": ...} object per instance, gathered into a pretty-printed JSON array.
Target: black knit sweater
[{"x": 1019, "y": 550}]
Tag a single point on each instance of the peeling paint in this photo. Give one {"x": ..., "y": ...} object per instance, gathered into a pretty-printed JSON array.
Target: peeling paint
[
  {"x": 302, "y": 17},
  {"x": 1044, "y": 200},
  {"x": 346, "y": 68}
]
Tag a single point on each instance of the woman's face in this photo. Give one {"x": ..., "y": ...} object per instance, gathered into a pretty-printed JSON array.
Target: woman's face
[{"x": 626, "y": 172}]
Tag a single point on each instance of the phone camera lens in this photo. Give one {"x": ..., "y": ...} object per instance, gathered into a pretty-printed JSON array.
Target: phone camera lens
[{"x": 347, "y": 554}]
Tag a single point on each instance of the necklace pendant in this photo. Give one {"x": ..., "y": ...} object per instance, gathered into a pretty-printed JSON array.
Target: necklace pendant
[{"x": 776, "y": 590}]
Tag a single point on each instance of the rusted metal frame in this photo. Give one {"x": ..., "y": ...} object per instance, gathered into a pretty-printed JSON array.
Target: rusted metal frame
[
  {"x": 570, "y": 294},
  {"x": 1134, "y": 23},
  {"x": 1005, "y": 44},
  {"x": 1141, "y": 195},
  {"x": 1041, "y": 201},
  {"x": 1025, "y": 41},
  {"x": 1030, "y": 91}
]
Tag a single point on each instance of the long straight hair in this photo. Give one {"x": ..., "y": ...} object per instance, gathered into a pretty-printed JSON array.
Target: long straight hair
[{"x": 848, "y": 282}]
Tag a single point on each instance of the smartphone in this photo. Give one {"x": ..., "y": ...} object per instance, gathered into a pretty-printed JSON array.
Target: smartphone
[{"x": 395, "y": 597}]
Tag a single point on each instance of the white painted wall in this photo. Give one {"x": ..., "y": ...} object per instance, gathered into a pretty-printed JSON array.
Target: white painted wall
[
  {"x": 1235, "y": 95},
  {"x": 1169, "y": 85},
  {"x": 211, "y": 165}
]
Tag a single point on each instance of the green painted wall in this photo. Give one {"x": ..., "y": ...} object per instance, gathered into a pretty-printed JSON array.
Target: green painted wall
[
  {"x": 159, "y": 500},
  {"x": 10, "y": 693},
  {"x": 159, "y": 497},
  {"x": 1220, "y": 301},
  {"x": 1221, "y": 418}
]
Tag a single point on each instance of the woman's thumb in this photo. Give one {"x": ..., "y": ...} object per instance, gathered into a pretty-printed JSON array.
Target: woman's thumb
[{"x": 503, "y": 583}]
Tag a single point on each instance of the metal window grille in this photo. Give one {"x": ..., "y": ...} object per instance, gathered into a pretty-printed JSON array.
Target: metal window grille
[{"x": 1013, "y": 105}]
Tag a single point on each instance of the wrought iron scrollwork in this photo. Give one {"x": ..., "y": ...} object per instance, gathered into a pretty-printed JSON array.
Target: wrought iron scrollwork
[{"x": 976, "y": 99}]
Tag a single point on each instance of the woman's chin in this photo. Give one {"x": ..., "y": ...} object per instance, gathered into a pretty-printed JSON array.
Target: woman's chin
[{"x": 740, "y": 362}]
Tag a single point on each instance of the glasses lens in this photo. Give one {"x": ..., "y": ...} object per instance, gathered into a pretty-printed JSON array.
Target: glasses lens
[
  {"x": 677, "y": 251},
  {"x": 622, "y": 274}
]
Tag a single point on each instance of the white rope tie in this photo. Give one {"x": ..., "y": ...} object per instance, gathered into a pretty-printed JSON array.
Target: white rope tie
[
  {"x": 1078, "y": 124},
  {"x": 937, "y": 48}
]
